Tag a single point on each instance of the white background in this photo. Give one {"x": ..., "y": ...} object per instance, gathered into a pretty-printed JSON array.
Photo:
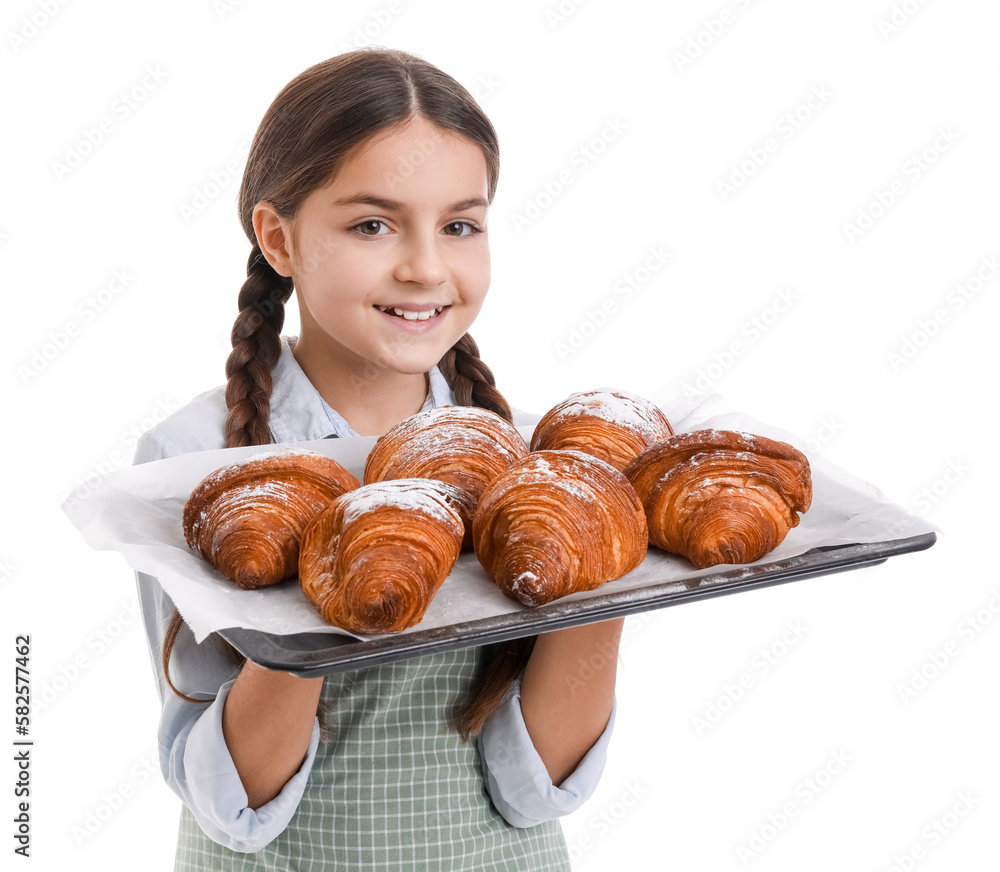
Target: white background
[{"x": 867, "y": 356}]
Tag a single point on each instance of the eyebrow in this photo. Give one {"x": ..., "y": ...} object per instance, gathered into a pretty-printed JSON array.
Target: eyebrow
[{"x": 366, "y": 199}]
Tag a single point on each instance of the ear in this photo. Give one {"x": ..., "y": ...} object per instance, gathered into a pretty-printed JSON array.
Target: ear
[{"x": 274, "y": 235}]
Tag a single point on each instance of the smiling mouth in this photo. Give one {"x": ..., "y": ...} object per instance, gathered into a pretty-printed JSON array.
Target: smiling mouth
[{"x": 412, "y": 316}]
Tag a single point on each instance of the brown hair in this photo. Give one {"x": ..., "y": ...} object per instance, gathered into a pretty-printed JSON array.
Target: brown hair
[{"x": 316, "y": 122}]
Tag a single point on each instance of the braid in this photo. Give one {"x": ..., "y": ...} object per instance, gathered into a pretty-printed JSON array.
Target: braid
[
  {"x": 501, "y": 665},
  {"x": 471, "y": 379},
  {"x": 256, "y": 341},
  {"x": 256, "y": 348},
  {"x": 474, "y": 385}
]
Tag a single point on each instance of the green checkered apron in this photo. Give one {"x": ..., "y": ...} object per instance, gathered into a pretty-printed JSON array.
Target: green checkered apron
[{"x": 393, "y": 788}]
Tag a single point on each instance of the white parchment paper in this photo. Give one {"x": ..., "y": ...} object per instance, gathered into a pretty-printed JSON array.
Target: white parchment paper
[{"x": 137, "y": 512}]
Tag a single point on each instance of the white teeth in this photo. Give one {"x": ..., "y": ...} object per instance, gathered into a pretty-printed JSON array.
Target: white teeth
[{"x": 412, "y": 316}]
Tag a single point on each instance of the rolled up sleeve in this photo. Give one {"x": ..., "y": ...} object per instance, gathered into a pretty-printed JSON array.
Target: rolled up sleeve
[
  {"x": 194, "y": 758},
  {"x": 516, "y": 779},
  {"x": 198, "y": 767}
]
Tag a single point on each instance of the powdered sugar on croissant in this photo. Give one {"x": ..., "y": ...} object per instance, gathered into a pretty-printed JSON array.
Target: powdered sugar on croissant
[
  {"x": 374, "y": 559},
  {"x": 721, "y": 496},
  {"x": 461, "y": 445},
  {"x": 558, "y": 522},
  {"x": 613, "y": 425},
  {"x": 247, "y": 518}
]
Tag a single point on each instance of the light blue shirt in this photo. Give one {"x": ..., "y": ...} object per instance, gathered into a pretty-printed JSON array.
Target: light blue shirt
[{"x": 194, "y": 758}]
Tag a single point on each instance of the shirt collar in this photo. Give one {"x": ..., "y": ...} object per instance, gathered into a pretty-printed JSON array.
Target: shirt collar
[{"x": 299, "y": 413}]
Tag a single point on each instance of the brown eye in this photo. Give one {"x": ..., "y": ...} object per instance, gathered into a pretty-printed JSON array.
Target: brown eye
[
  {"x": 372, "y": 227},
  {"x": 459, "y": 228}
]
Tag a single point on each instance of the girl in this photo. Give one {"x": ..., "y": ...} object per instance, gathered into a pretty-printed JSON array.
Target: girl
[{"x": 366, "y": 192}]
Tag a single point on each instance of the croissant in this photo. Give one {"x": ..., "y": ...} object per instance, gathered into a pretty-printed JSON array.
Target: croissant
[
  {"x": 461, "y": 445},
  {"x": 721, "y": 496},
  {"x": 246, "y": 519},
  {"x": 558, "y": 522},
  {"x": 372, "y": 561},
  {"x": 612, "y": 425}
]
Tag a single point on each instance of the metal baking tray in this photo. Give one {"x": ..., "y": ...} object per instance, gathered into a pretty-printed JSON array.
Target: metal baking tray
[{"x": 314, "y": 654}]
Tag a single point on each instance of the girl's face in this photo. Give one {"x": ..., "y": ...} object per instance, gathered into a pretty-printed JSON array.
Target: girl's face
[{"x": 390, "y": 260}]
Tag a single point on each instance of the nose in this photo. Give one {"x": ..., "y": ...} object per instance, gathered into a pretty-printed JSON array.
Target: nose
[{"x": 421, "y": 261}]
